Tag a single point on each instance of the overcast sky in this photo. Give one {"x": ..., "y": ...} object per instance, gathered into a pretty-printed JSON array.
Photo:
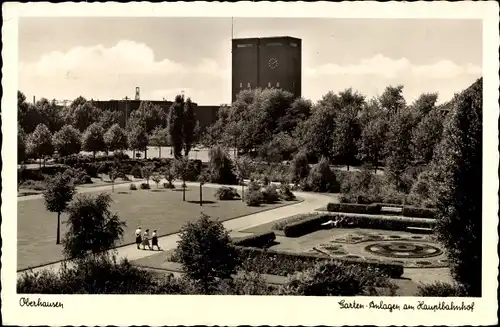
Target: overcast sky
[{"x": 106, "y": 58}]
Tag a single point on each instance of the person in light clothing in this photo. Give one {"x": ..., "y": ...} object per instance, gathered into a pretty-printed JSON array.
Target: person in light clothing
[
  {"x": 138, "y": 237},
  {"x": 154, "y": 240},
  {"x": 145, "y": 240}
]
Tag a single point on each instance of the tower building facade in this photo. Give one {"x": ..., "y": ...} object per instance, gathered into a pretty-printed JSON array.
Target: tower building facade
[{"x": 271, "y": 62}]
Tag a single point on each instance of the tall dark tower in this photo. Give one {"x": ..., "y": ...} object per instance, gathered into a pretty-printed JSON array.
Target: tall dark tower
[{"x": 267, "y": 62}]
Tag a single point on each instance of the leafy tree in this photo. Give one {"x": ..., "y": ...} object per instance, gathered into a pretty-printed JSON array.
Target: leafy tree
[
  {"x": 39, "y": 143},
  {"x": 299, "y": 168},
  {"x": 50, "y": 114},
  {"x": 458, "y": 190},
  {"x": 189, "y": 125},
  {"x": 137, "y": 138},
  {"x": 175, "y": 125},
  {"x": 392, "y": 100},
  {"x": 83, "y": 114},
  {"x": 426, "y": 136},
  {"x": 93, "y": 139},
  {"x": 109, "y": 118},
  {"x": 345, "y": 135},
  {"x": 156, "y": 178},
  {"x": 372, "y": 141},
  {"x": 279, "y": 148},
  {"x": 21, "y": 144},
  {"x": 77, "y": 102},
  {"x": 116, "y": 138},
  {"x": 169, "y": 174},
  {"x": 160, "y": 138},
  {"x": 243, "y": 168},
  {"x": 425, "y": 104},
  {"x": 149, "y": 116},
  {"x": 398, "y": 146},
  {"x": 93, "y": 228},
  {"x": 59, "y": 192},
  {"x": 203, "y": 178},
  {"x": 182, "y": 171},
  {"x": 114, "y": 173},
  {"x": 147, "y": 172},
  {"x": 28, "y": 116},
  {"x": 206, "y": 252},
  {"x": 67, "y": 141}
]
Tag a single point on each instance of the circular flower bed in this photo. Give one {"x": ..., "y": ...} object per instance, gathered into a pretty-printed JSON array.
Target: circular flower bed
[{"x": 398, "y": 249}]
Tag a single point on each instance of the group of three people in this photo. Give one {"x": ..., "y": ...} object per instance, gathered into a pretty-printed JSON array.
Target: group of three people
[{"x": 143, "y": 239}]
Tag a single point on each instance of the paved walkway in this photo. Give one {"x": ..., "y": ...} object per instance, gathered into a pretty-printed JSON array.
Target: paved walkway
[{"x": 311, "y": 201}]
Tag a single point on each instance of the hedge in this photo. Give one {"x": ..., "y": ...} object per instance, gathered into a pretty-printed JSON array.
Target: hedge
[
  {"x": 419, "y": 212},
  {"x": 372, "y": 209},
  {"x": 280, "y": 224},
  {"x": 386, "y": 222},
  {"x": 256, "y": 240},
  {"x": 287, "y": 263},
  {"x": 306, "y": 226}
]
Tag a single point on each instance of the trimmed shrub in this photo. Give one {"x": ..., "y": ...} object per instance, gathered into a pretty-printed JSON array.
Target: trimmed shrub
[
  {"x": 419, "y": 212},
  {"x": 253, "y": 198},
  {"x": 226, "y": 193},
  {"x": 285, "y": 193},
  {"x": 354, "y": 208},
  {"x": 78, "y": 176},
  {"x": 280, "y": 225},
  {"x": 136, "y": 171},
  {"x": 306, "y": 226},
  {"x": 168, "y": 185},
  {"x": 440, "y": 289},
  {"x": 256, "y": 240},
  {"x": 322, "y": 179},
  {"x": 145, "y": 186},
  {"x": 384, "y": 222},
  {"x": 270, "y": 194},
  {"x": 132, "y": 187},
  {"x": 266, "y": 261}
]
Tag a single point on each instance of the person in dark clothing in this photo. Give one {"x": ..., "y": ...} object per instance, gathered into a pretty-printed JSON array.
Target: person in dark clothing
[{"x": 154, "y": 240}]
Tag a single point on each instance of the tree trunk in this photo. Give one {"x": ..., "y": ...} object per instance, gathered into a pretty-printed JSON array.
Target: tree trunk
[
  {"x": 93, "y": 154},
  {"x": 243, "y": 191},
  {"x": 201, "y": 195},
  {"x": 40, "y": 162},
  {"x": 347, "y": 167},
  {"x": 58, "y": 238},
  {"x": 112, "y": 186},
  {"x": 376, "y": 166},
  {"x": 133, "y": 154},
  {"x": 159, "y": 152},
  {"x": 44, "y": 162},
  {"x": 146, "y": 153},
  {"x": 183, "y": 191}
]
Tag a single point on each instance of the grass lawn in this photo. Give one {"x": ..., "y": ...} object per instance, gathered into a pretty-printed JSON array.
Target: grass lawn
[{"x": 160, "y": 209}]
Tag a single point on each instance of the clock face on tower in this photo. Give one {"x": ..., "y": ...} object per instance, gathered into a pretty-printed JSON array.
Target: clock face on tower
[{"x": 273, "y": 63}]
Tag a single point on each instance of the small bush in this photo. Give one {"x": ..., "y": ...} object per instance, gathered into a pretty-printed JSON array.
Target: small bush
[
  {"x": 133, "y": 187},
  {"x": 136, "y": 171},
  {"x": 226, "y": 193},
  {"x": 270, "y": 194},
  {"x": 306, "y": 226},
  {"x": 145, "y": 186},
  {"x": 285, "y": 193},
  {"x": 440, "y": 289},
  {"x": 33, "y": 185},
  {"x": 419, "y": 212},
  {"x": 254, "y": 186},
  {"x": 396, "y": 223},
  {"x": 256, "y": 240},
  {"x": 254, "y": 198},
  {"x": 168, "y": 185},
  {"x": 322, "y": 179}
]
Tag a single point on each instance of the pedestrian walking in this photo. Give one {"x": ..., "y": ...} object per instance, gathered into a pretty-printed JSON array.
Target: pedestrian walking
[
  {"x": 138, "y": 237},
  {"x": 145, "y": 240},
  {"x": 154, "y": 240}
]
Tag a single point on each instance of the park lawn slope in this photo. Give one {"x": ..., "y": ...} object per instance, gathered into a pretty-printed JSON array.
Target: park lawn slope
[{"x": 160, "y": 209}]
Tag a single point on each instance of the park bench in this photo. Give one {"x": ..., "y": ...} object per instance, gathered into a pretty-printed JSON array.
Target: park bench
[{"x": 419, "y": 230}]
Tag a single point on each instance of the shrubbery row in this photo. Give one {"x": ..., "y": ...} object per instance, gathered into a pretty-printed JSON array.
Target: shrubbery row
[
  {"x": 372, "y": 209},
  {"x": 256, "y": 240},
  {"x": 272, "y": 262}
]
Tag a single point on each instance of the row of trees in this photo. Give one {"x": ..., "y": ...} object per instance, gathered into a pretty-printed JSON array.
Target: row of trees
[
  {"x": 343, "y": 127},
  {"x": 92, "y": 130}
]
